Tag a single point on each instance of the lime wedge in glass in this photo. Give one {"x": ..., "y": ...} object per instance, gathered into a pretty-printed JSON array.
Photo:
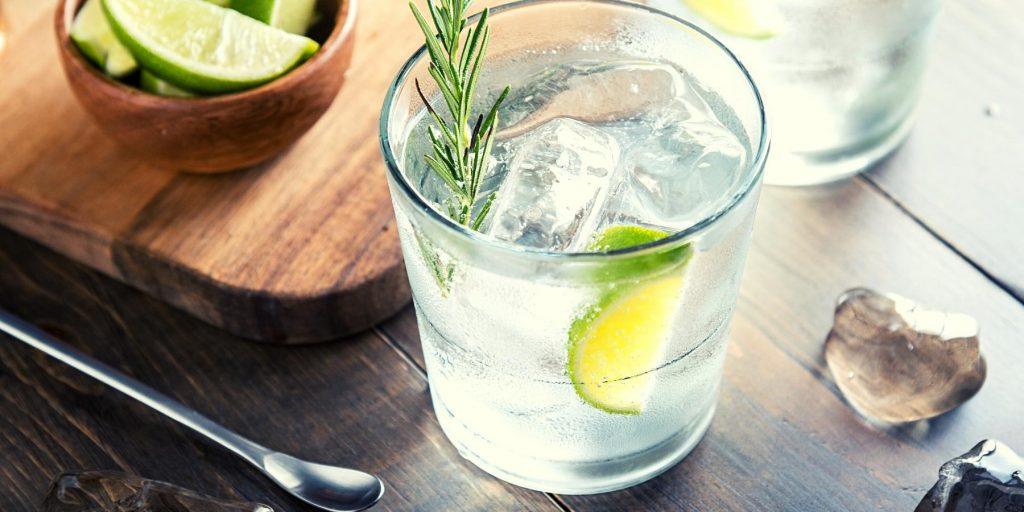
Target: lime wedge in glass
[
  {"x": 623, "y": 335},
  {"x": 91, "y": 33},
  {"x": 154, "y": 84},
  {"x": 754, "y": 19},
  {"x": 201, "y": 47},
  {"x": 293, "y": 16}
]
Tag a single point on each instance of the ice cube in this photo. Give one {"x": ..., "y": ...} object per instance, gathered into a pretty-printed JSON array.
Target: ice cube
[
  {"x": 681, "y": 170},
  {"x": 898, "y": 362},
  {"x": 111, "y": 491},
  {"x": 557, "y": 181},
  {"x": 596, "y": 94}
]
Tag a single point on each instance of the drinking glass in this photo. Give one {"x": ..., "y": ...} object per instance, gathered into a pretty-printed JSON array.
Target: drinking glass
[
  {"x": 511, "y": 332},
  {"x": 841, "y": 78}
]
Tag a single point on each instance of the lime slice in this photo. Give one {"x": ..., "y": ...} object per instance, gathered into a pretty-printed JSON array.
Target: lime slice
[
  {"x": 623, "y": 335},
  {"x": 91, "y": 33},
  {"x": 201, "y": 47},
  {"x": 293, "y": 16},
  {"x": 755, "y": 19},
  {"x": 154, "y": 84}
]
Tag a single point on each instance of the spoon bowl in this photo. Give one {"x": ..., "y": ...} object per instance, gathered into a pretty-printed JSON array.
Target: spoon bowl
[{"x": 327, "y": 487}]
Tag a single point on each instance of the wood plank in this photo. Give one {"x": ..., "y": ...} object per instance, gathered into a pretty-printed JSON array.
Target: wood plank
[
  {"x": 37, "y": 196},
  {"x": 783, "y": 438},
  {"x": 960, "y": 170},
  {"x": 353, "y": 402},
  {"x": 301, "y": 248}
]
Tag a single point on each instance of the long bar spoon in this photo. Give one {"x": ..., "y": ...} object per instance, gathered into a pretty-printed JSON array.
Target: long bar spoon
[{"x": 330, "y": 488}]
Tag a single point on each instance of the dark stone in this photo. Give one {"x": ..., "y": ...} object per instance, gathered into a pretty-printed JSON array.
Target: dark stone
[{"x": 989, "y": 478}]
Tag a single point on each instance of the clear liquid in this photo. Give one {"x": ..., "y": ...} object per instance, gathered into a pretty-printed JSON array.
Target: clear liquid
[
  {"x": 587, "y": 144},
  {"x": 583, "y": 145}
]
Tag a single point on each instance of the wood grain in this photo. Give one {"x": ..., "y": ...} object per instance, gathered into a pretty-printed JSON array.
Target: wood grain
[
  {"x": 355, "y": 402},
  {"x": 783, "y": 439},
  {"x": 298, "y": 249},
  {"x": 959, "y": 172}
]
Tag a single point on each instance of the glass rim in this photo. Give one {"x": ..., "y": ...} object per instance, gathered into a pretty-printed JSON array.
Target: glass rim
[{"x": 753, "y": 170}]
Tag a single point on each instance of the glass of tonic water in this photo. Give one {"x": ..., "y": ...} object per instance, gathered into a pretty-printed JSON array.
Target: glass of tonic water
[
  {"x": 574, "y": 342},
  {"x": 841, "y": 78}
]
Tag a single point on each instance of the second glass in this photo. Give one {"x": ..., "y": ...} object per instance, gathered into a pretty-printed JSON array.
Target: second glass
[
  {"x": 841, "y": 78},
  {"x": 553, "y": 362}
]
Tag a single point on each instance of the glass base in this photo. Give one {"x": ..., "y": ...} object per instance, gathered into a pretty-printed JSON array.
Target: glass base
[
  {"x": 571, "y": 477},
  {"x": 821, "y": 167}
]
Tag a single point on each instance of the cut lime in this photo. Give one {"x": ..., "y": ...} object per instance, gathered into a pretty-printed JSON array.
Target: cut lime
[
  {"x": 755, "y": 19},
  {"x": 201, "y": 47},
  {"x": 623, "y": 237},
  {"x": 154, "y": 84},
  {"x": 636, "y": 266},
  {"x": 91, "y": 33},
  {"x": 622, "y": 336},
  {"x": 294, "y": 16}
]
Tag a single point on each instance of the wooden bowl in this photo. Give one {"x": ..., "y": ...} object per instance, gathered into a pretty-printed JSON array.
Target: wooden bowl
[{"x": 218, "y": 133}]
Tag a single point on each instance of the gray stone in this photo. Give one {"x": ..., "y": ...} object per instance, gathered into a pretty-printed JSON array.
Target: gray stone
[{"x": 107, "y": 491}]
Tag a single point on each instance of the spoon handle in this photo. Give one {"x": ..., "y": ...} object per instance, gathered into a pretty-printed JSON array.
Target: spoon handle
[{"x": 162, "y": 403}]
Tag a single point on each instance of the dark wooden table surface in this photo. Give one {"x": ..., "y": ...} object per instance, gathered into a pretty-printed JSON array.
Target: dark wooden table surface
[{"x": 940, "y": 221}]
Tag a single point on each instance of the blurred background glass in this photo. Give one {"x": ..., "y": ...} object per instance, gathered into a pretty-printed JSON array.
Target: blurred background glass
[{"x": 840, "y": 78}]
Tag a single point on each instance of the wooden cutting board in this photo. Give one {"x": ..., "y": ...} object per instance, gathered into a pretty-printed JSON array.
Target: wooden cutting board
[{"x": 300, "y": 249}]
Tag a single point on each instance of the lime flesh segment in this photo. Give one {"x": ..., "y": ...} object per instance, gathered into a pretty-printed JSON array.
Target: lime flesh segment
[
  {"x": 201, "y": 47},
  {"x": 154, "y": 84},
  {"x": 91, "y": 33},
  {"x": 754, "y": 19},
  {"x": 622, "y": 336},
  {"x": 623, "y": 237},
  {"x": 293, "y": 16}
]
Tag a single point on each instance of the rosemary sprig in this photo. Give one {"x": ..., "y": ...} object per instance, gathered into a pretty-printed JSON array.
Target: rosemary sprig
[{"x": 460, "y": 149}]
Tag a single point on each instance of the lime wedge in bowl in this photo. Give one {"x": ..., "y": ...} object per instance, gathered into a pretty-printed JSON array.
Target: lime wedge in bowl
[
  {"x": 154, "y": 84},
  {"x": 754, "y": 19},
  {"x": 622, "y": 336},
  {"x": 91, "y": 33},
  {"x": 201, "y": 47},
  {"x": 293, "y": 16}
]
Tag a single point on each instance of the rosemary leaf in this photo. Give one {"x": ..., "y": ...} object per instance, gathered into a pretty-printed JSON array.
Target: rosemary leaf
[
  {"x": 484, "y": 210},
  {"x": 460, "y": 148}
]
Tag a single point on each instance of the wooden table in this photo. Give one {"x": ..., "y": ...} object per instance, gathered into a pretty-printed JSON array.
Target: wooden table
[{"x": 940, "y": 221}]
